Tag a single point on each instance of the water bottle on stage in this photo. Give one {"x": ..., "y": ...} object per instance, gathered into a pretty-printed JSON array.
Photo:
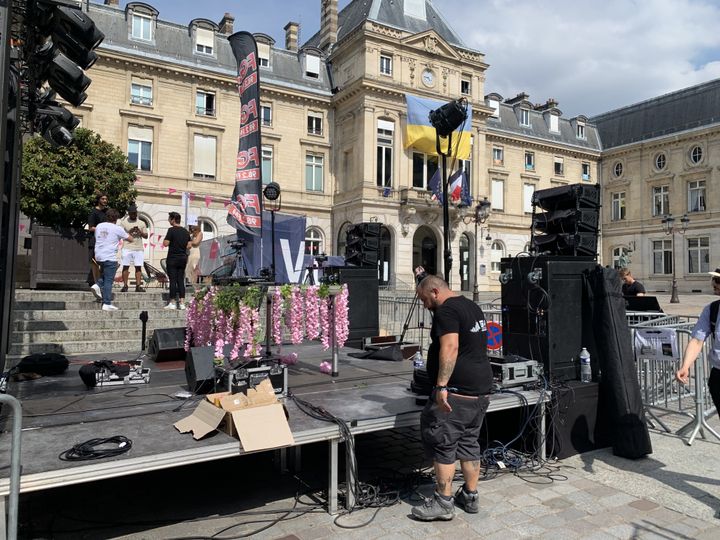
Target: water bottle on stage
[{"x": 585, "y": 368}]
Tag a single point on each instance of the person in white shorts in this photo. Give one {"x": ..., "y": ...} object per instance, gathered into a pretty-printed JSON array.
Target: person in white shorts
[{"x": 133, "y": 253}]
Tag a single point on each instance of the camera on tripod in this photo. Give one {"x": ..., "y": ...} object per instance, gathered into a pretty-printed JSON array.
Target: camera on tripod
[
  {"x": 319, "y": 259},
  {"x": 236, "y": 244}
]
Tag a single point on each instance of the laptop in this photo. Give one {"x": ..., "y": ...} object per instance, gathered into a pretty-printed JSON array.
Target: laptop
[{"x": 642, "y": 303}]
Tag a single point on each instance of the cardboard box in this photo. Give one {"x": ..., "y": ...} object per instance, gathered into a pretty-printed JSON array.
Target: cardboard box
[{"x": 255, "y": 417}]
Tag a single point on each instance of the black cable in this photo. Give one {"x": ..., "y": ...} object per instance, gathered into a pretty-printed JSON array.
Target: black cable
[{"x": 93, "y": 449}]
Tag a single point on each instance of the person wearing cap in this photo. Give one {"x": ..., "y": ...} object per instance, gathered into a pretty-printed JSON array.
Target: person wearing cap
[
  {"x": 133, "y": 253},
  {"x": 703, "y": 328}
]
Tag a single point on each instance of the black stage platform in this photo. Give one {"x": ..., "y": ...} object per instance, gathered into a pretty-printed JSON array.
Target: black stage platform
[{"x": 58, "y": 412}]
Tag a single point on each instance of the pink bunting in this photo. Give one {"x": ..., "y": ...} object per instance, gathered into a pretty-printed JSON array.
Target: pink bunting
[
  {"x": 145, "y": 245},
  {"x": 22, "y": 227},
  {"x": 208, "y": 200},
  {"x": 171, "y": 190},
  {"x": 191, "y": 197}
]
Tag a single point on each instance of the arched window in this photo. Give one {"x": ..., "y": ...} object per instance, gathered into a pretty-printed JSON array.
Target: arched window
[
  {"x": 313, "y": 241},
  {"x": 497, "y": 252},
  {"x": 208, "y": 228},
  {"x": 425, "y": 252},
  {"x": 342, "y": 238}
]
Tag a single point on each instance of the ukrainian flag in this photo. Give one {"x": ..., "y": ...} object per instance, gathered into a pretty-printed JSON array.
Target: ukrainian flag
[{"x": 421, "y": 135}]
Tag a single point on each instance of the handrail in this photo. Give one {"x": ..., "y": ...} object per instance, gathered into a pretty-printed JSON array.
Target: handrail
[{"x": 12, "y": 523}]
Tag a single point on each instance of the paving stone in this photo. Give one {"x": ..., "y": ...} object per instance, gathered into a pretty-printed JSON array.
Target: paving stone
[
  {"x": 544, "y": 495},
  {"x": 618, "y": 499},
  {"x": 558, "y": 503},
  {"x": 644, "y": 505},
  {"x": 624, "y": 530},
  {"x": 709, "y": 534},
  {"x": 560, "y": 534},
  {"x": 537, "y": 510},
  {"x": 526, "y": 530},
  {"x": 485, "y": 526},
  {"x": 601, "y": 491},
  {"x": 522, "y": 501}
]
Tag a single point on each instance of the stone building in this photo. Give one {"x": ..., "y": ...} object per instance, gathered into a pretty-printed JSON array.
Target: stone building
[{"x": 333, "y": 130}]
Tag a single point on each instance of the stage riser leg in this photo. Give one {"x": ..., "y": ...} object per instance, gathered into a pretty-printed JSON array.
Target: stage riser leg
[
  {"x": 349, "y": 475},
  {"x": 333, "y": 477}
]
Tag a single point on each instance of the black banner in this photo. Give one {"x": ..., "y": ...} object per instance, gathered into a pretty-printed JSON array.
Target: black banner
[{"x": 245, "y": 210}]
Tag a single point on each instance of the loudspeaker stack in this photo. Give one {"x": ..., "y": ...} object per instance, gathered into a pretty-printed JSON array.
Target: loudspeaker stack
[{"x": 362, "y": 244}]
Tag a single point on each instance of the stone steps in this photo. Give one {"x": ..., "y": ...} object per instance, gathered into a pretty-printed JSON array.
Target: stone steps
[{"x": 76, "y": 347}]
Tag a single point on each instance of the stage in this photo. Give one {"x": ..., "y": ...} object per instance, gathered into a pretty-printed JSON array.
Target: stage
[{"x": 59, "y": 412}]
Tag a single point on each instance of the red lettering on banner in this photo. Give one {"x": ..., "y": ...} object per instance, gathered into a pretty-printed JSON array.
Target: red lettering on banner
[
  {"x": 248, "y": 111},
  {"x": 251, "y": 221},
  {"x": 252, "y": 127},
  {"x": 245, "y": 157},
  {"x": 249, "y": 200},
  {"x": 248, "y": 64},
  {"x": 247, "y": 83},
  {"x": 249, "y": 174}
]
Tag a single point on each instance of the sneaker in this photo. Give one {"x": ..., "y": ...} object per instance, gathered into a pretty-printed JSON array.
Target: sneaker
[
  {"x": 109, "y": 307},
  {"x": 434, "y": 508},
  {"x": 182, "y": 305},
  {"x": 467, "y": 501},
  {"x": 124, "y": 289},
  {"x": 139, "y": 289},
  {"x": 171, "y": 305},
  {"x": 96, "y": 291}
]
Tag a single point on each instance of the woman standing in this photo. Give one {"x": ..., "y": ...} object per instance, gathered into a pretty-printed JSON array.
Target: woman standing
[
  {"x": 192, "y": 271},
  {"x": 178, "y": 241}
]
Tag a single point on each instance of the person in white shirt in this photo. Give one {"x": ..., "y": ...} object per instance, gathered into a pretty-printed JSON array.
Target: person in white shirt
[
  {"x": 107, "y": 240},
  {"x": 133, "y": 253}
]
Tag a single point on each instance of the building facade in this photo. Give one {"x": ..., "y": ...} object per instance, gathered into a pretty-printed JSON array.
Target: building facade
[{"x": 333, "y": 116}]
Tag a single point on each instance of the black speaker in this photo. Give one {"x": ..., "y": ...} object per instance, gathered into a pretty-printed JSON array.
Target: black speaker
[
  {"x": 544, "y": 311},
  {"x": 363, "y": 302},
  {"x": 199, "y": 369},
  {"x": 363, "y": 244},
  {"x": 167, "y": 344}
]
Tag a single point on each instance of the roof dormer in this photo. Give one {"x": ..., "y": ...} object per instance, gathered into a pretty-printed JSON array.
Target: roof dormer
[
  {"x": 493, "y": 101},
  {"x": 311, "y": 59},
  {"x": 203, "y": 32},
  {"x": 142, "y": 21},
  {"x": 264, "y": 45}
]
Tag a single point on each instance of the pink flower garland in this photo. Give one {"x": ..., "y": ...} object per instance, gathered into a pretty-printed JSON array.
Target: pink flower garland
[
  {"x": 297, "y": 314},
  {"x": 342, "y": 324},
  {"x": 312, "y": 313},
  {"x": 324, "y": 316},
  {"x": 277, "y": 309}
]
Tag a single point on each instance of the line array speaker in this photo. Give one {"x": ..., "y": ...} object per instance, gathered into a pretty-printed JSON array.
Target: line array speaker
[{"x": 362, "y": 244}]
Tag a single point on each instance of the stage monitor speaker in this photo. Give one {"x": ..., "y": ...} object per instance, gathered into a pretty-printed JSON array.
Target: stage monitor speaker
[
  {"x": 167, "y": 344},
  {"x": 582, "y": 423},
  {"x": 362, "y": 244},
  {"x": 363, "y": 302},
  {"x": 545, "y": 313},
  {"x": 199, "y": 370}
]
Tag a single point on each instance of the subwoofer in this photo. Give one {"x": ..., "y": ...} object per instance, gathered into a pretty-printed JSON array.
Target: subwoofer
[
  {"x": 199, "y": 370},
  {"x": 167, "y": 344}
]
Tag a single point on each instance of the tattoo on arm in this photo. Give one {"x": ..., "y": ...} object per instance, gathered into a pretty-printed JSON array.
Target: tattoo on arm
[{"x": 447, "y": 365}]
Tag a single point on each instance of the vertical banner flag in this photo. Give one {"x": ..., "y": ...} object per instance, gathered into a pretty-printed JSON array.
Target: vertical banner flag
[
  {"x": 420, "y": 134},
  {"x": 245, "y": 209}
]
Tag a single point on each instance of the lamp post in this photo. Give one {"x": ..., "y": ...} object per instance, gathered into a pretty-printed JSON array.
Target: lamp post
[
  {"x": 668, "y": 224},
  {"x": 482, "y": 213},
  {"x": 272, "y": 193}
]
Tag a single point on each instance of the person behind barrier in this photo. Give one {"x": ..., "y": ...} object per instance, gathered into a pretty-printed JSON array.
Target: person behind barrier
[
  {"x": 178, "y": 241},
  {"x": 707, "y": 325},
  {"x": 631, "y": 286},
  {"x": 133, "y": 253},
  {"x": 107, "y": 238},
  {"x": 458, "y": 366}
]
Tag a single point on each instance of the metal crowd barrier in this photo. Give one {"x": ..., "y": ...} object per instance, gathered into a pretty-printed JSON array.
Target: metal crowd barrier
[{"x": 12, "y": 509}]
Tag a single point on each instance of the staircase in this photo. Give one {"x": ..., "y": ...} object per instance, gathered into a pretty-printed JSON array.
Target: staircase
[{"x": 72, "y": 322}]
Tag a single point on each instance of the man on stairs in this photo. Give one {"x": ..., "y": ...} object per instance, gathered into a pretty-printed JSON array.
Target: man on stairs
[{"x": 107, "y": 241}]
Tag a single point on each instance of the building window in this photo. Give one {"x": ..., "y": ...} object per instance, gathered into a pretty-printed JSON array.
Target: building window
[
  {"x": 312, "y": 66},
  {"x": 313, "y": 241},
  {"x": 140, "y": 147},
  {"x": 662, "y": 257},
  {"x": 524, "y": 117},
  {"x": 660, "y": 161},
  {"x": 314, "y": 172},
  {"x": 696, "y": 155},
  {"x": 263, "y": 54},
  {"x": 141, "y": 27},
  {"x": 617, "y": 253},
  {"x": 698, "y": 255},
  {"x": 580, "y": 130},
  {"x": 497, "y": 252},
  {"x": 266, "y": 115},
  {"x": 696, "y": 196},
  {"x": 205, "y": 103},
  {"x": 208, "y": 228},
  {"x": 498, "y": 194},
  {"x": 528, "y": 192},
  {"x": 559, "y": 167},
  {"x": 618, "y": 206},
  {"x": 267, "y": 164},
  {"x": 529, "y": 161},
  {"x": 314, "y": 123},
  {"x": 205, "y": 157},
  {"x": 424, "y": 167},
  {"x": 141, "y": 93},
  {"x": 465, "y": 87},
  {"x": 385, "y": 131},
  {"x": 498, "y": 158},
  {"x": 494, "y": 104},
  {"x": 204, "y": 41},
  {"x": 385, "y": 64},
  {"x": 661, "y": 200},
  {"x": 586, "y": 171},
  {"x": 618, "y": 169},
  {"x": 554, "y": 123}
]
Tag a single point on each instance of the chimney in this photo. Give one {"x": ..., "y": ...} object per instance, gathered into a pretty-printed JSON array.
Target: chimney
[
  {"x": 112, "y": 2},
  {"x": 522, "y": 96},
  {"x": 328, "y": 23},
  {"x": 291, "y": 36},
  {"x": 226, "y": 24}
]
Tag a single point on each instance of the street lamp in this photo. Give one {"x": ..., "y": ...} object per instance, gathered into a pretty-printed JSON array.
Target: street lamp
[
  {"x": 273, "y": 196},
  {"x": 668, "y": 224},
  {"x": 482, "y": 213}
]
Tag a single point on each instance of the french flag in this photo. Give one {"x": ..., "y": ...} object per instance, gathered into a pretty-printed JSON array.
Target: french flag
[{"x": 459, "y": 188}]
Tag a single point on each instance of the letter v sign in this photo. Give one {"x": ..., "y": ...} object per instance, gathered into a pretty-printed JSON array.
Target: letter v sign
[{"x": 294, "y": 271}]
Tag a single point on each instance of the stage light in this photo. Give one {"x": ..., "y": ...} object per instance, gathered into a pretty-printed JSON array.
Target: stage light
[
  {"x": 57, "y": 124},
  {"x": 449, "y": 117},
  {"x": 74, "y": 33},
  {"x": 64, "y": 76},
  {"x": 272, "y": 191}
]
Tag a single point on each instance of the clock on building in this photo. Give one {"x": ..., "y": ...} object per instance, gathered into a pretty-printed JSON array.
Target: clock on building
[{"x": 428, "y": 77}]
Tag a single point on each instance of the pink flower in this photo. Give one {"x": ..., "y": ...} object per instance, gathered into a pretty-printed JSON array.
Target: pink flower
[
  {"x": 289, "y": 359},
  {"x": 312, "y": 312},
  {"x": 342, "y": 323},
  {"x": 326, "y": 367}
]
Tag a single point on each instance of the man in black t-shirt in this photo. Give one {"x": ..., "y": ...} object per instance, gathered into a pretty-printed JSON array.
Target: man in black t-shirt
[
  {"x": 458, "y": 366},
  {"x": 631, "y": 286},
  {"x": 96, "y": 217},
  {"x": 178, "y": 242}
]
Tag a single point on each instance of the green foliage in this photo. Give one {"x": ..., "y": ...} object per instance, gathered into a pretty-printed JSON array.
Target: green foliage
[
  {"x": 59, "y": 185},
  {"x": 229, "y": 297}
]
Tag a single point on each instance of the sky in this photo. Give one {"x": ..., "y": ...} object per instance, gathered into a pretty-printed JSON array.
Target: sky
[{"x": 592, "y": 56}]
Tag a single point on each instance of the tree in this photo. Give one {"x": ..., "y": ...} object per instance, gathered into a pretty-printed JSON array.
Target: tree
[{"x": 59, "y": 185}]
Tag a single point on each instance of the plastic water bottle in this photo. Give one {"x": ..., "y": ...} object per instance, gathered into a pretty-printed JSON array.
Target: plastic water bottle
[
  {"x": 585, "y": 368},
  {"x": 418, "y": 361}
]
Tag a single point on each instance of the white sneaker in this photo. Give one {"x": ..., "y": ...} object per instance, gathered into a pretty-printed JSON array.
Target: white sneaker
[
  {"x": 182, "y": 305},
  {"x": 171, "y": 305},
  {"x": 95, "y": 288},
  {"x": 109, "y": 307}
]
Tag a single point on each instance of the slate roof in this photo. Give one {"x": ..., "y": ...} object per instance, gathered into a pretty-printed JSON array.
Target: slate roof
[
  {"x": 173, "y": 44},
  {"x": 509, "y": 123},
  {"x": 685, "y": 109},
  {"x": 390, "y": 13}
]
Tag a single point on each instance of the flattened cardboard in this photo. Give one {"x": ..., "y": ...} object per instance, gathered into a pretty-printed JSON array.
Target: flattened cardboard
[
  {"x": 262, "y": 428},
  {"x": 204, "y": 419}
]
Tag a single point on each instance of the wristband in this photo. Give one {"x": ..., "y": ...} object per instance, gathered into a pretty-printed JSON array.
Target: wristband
[{"x": 441, "y": 387}]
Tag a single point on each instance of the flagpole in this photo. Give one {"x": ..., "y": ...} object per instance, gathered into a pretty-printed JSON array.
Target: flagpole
[{"x": 447, "y": 253}]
